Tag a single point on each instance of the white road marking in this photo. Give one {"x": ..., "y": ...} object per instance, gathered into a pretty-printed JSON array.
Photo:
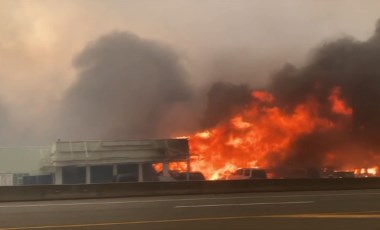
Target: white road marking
[
  {"x": 244, "y": 204},
  {"x": 132, "y": 223},
  {"x": 342, "y": 215},
  {"x": 316, "y": 215},
  {"x": 44, "y": 204}
]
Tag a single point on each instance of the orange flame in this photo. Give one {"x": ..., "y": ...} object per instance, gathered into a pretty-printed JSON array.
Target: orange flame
[
  {"x": 367, "y": 172},
  {"x": 338, "y": 105},
  {"x": 263, "y": 96},
  {"x": 261, "y": 135},
  {"x": 254, "y": 137}
]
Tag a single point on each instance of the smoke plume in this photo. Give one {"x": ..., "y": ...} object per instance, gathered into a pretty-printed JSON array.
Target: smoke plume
[
  {"x": 6, "y": 132},
  {"x": 347, "y": 63},
  {"x": 126, "y": 87},
  {"x": 345, "y": 66},
  {"x": 223, "y": 101},
  {"x": 354, "y": 67}
]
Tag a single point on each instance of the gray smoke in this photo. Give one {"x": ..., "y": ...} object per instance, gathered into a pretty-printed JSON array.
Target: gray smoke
[
  {"x": 223, "y": 101},
  {"x": 6, "y": 132},
  {"x": 126, "y": 88},
  {"x": 129, "y": 87}
]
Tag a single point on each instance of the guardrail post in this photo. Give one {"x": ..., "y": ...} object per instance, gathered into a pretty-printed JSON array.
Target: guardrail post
[
  {"x": 114, "y": 170},
  {"x": 165, "y": 168},
  {"x": 58, "y": 175},
  {"x": 141, "y": 176},
  {"x": 188, "y": 167},
  {"x": 88, "y": 174}
]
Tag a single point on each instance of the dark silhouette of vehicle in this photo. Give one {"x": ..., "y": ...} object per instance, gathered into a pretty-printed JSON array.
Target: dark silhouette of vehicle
[
  {"x": 126, "y": 177},
  {"x": 192, "y": 176},
  {"x": 131, "y": 173},
  {"x": 343, "y": 174},
  {"x": 177, "y": 175}
]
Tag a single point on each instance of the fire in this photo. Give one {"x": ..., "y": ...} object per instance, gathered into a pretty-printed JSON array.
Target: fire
[
  {"x": 255, "y": 137},
  {"x": 338, "y": 105},
  {"x": 262, "y": 134},
  {"x": 373, "y": 171},
  {"x": 223, "y": 172},
  {"x": 259, "y": 135},
  {"x": 366, "y": 172},
  {"x": 263, "y": 96}
]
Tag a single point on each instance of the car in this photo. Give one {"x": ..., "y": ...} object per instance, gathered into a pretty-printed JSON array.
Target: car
[
  {"x": 248, "y": 174},
  {"x": 344, "y": 174},
  {"x": 126, "y": 177},
  {"x": 192, "y": 176},
  {"x": 175, "y": 175}
]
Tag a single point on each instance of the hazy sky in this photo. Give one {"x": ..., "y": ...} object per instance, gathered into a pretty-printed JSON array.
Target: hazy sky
[{"x": 234, "y": 40}]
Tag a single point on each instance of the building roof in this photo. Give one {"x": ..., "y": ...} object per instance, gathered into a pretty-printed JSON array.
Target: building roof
[{"x": 66, "y": 153}]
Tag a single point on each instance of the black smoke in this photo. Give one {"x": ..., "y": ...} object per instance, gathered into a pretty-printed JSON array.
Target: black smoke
[
  {"x": 126, "y": 87},
  {"x": 129, "y": 87},
  {"x": 351, "y": 65},
  {"x": 354, "y": 66}
]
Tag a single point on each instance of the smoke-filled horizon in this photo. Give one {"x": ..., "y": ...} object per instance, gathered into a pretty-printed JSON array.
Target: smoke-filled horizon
[
  {"x": 353, "y": 66},
  {"x": 323, "y": 114},
  {"x": 127, "y": 87},
  {"x": 62, "y": 74}
]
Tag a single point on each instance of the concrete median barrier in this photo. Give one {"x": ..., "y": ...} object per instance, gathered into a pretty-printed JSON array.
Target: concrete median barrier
[{"x": 93, "y": 191}]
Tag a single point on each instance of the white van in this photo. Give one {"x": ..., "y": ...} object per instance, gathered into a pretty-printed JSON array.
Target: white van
[{"x": 248, "y": 174}]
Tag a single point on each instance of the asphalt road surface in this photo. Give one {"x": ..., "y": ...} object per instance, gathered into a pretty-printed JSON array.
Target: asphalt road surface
[{"x": 359, "y": 209}]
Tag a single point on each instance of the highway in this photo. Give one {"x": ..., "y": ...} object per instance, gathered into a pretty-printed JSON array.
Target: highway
[{"x": 355, "y": 209}]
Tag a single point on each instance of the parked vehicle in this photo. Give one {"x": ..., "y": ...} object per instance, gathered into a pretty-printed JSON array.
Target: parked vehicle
[
  {"x": 343, "y": 174},
  {"x": 192, "y": 176},
  {"x": 177, "y": 175},
  {"x": 126, "y": 177},
  {"x": 248, "y": 174}
]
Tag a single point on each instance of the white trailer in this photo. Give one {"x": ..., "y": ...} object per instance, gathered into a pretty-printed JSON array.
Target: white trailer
[{"x": 6, "y": 179}]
